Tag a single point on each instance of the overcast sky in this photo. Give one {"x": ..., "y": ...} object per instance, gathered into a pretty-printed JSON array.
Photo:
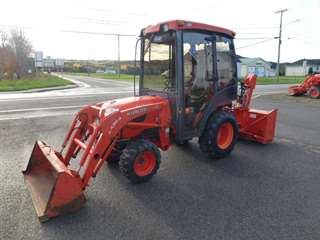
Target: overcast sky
[{"x": 43, "y": 21}]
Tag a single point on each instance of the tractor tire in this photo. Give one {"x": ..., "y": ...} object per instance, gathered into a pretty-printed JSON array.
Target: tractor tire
[
  {"x": 139, "y": 161},
  {"x": 314, "y": 92},
  {"x": 114, "y": 158},
  {"x": 220, "y": 135}
]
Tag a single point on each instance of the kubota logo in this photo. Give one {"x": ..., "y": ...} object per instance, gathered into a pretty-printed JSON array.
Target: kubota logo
[{"x": 137, "y": 111}]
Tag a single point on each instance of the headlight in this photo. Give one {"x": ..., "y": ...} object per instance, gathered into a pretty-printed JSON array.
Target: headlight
[{"x": 107, "y": 111}]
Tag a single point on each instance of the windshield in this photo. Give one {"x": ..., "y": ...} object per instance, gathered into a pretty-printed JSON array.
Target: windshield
[{"x": 159, "y": 69}]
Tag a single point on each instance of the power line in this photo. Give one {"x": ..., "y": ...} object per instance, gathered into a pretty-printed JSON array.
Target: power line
[
  {"x": 252, "y": 38},
  {"x": 71, "y": 31},
  {"x": 245, "y": 28},
  {"x": 102, "y": 21},
  {"x": 305, "y": 42},
  {"x": 97, "y": 9},
  {"x": 257, "y": 25},
  {"x": 112, "y": 11},
  {"x": 251, "y": 33},
  {"x": 257, "y": 43},
  {"x": 98, "y": 33}
]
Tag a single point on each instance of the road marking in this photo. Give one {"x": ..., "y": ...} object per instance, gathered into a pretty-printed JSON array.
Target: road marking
[
  {"x": 79, "y": 83},
  {"x": 105, "y": 81},
  {"x": 271, "y": 92},
  {"x": 32, "y": 98},
  {"x": 41, "y": 109},
  {"x": 37, "y": 116},
  {"x": 256, "y": 96}
]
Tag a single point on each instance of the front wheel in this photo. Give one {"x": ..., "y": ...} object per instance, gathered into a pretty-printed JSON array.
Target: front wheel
[
  {"x": 314, "y": 92},
  {"x": 139, "y": 161},
  {"x": 220, "y": 135}
]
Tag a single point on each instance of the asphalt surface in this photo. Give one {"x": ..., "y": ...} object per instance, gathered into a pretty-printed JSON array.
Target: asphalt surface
[
  {"x": 91, "y": 90},
  {"x": 259, "y": 192}
]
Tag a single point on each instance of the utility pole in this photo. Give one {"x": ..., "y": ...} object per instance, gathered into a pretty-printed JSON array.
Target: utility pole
[
  {"x": 119, "y": 67},
  {"x": 279, "y": 43}
]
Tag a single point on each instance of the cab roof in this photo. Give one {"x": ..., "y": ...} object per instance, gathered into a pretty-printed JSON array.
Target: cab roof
[{"x": 186, "y": 25}]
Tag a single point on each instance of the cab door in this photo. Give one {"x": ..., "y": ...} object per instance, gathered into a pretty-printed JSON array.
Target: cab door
[
  {"x": 208, "y": 72},
  {"x": 198, "y": 78}
]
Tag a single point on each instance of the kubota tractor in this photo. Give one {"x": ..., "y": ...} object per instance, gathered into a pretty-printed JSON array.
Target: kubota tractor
[
  {"x": 188, "y": 89},
  {"x": 310, "y": 85}
]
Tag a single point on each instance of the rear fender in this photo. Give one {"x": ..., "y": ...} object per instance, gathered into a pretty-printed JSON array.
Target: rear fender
[{"x": 218, "y": 101}]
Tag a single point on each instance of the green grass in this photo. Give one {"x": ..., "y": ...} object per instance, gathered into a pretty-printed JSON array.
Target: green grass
[
  {"x": 33, "y": 82},
  {"x": 282, "y": 80},
  {"x": 126, "y": 77}
]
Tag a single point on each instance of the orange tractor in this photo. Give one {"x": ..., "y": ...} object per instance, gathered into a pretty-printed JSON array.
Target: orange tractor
[
  {"x": 310, "y": 85},
  {"x": 188, "y": 89}
]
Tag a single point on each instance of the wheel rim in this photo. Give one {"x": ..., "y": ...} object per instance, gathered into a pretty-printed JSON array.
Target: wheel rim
[
  {"x": 144, "y": 163},
  {"x": 225, "y": 135},
  {"x": 314, "y": 93}
]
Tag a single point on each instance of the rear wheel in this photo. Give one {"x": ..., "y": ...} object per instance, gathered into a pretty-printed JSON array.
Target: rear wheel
[
  {"x": 139, "y": 161},
  {"x": 220, "y": 135},
  {"x": 314, "y": 92}
]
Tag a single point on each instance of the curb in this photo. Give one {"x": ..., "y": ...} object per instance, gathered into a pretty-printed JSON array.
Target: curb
[{"x": 41, "y": 89}]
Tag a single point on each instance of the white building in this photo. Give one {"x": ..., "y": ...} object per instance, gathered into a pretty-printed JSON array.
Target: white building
[
  {"x": 302, "y": 67},
  {"x": 258, "y": 66}
]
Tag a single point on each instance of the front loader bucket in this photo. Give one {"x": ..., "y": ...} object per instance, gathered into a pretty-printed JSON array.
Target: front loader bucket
[
  {"x": 296, "y": 90},
  {"x": 55, "y": 189}
]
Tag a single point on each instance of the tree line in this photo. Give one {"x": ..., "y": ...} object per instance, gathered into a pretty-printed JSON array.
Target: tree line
[{"x": 15, "y": 51}]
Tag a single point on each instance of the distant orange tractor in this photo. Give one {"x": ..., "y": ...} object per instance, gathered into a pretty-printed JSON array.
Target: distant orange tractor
[
  {"x": 188, "y": 89},
  {"x": 311, "y": 86}
]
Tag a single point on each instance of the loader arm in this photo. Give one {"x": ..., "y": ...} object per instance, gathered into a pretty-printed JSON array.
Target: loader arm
[
  {"x": 104, "y": 124},
  {"x": 56, "y": 185}
]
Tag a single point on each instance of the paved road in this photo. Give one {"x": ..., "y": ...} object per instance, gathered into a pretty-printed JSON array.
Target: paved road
[
  {"x": 271, "y": 89},
  {"x": 68, "y": 101},
  {"x": 259, "y": 192}
]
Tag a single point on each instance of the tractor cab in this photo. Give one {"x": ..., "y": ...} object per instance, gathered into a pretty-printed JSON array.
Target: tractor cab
[{"x": 194, "y": 66}]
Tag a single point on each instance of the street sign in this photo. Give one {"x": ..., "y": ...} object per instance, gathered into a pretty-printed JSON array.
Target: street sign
[{"x": 38, "y": 59}]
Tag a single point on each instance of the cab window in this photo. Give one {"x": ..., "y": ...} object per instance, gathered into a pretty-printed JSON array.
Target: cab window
[
  {"x": 159, "y": 67},
  {"x": 225, "y": 62}
]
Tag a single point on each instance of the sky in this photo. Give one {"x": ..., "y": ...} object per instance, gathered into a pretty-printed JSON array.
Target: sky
[{"x": 44, "y": 23}]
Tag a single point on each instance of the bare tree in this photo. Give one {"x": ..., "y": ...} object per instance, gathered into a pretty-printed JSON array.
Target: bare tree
[
  {"x": 3, "y": 38},
  {"x": 22, "y": 49},
  {"x": 8, "y": 63},
  {"x": 7, "y": 57}
]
